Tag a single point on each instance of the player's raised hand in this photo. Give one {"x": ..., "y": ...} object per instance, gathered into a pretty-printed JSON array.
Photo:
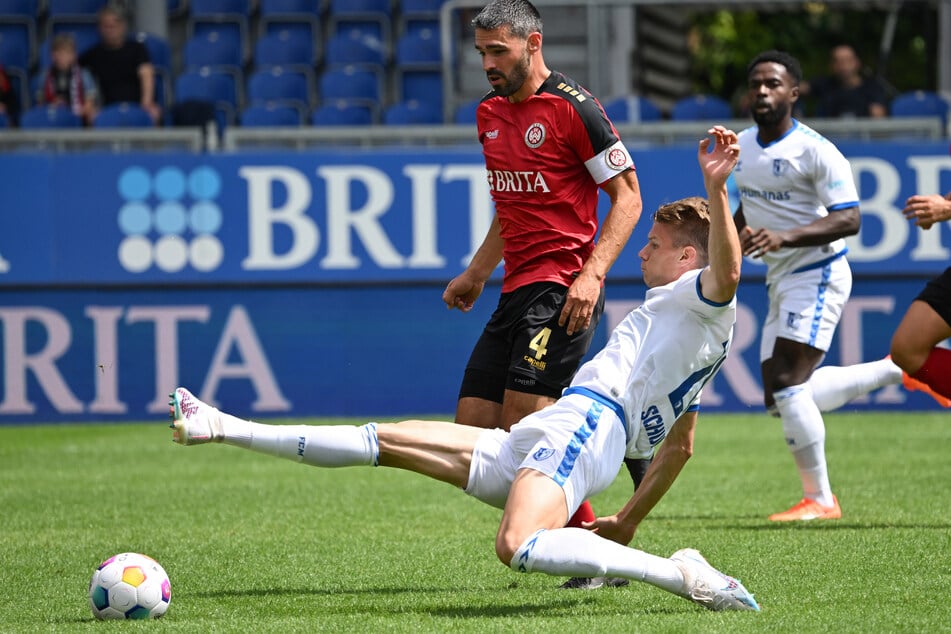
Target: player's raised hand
[{"x": 717, "y": 162}]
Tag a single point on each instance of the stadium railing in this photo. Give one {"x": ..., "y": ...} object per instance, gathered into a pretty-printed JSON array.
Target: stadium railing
[{"x": 300, "y": 138}]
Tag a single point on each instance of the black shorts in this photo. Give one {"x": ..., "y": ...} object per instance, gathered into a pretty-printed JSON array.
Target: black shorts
[
  {"x": 522, "y": 347},
  {"x": 937, "y": 294}
]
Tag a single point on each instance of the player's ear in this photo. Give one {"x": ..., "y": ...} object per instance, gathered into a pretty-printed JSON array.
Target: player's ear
[
  {"x": 689, "y": 254},
  {"x": 534, "y": 42}
]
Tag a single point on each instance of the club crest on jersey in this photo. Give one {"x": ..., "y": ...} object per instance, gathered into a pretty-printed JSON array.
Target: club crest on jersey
[
  {"x": 616, "y": 158},
  {"x": 780, "y": 167},
  {"x": 543, "y": 454},
  {"x": 535, "y": 135}
]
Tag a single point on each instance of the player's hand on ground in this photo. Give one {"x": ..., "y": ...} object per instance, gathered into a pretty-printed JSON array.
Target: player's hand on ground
[
  {"x": 462, "y": 292},
  {"x": 718, "y": 162},
  {"x": 756, "y": 242},
  {"x": 927, "y": 210},
  {"x": 610, "y": 527},
  {"x": 580, "y": 300}
]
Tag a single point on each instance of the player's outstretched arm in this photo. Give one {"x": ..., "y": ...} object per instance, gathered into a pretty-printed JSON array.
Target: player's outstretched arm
[{"x": 717, "y": 158}]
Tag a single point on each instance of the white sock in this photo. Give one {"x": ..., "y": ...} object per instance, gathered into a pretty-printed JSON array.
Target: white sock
[
  {"x": 834, "y": 386},
  {"x": 319, "y": 446},
  {"x": 576, "y": 552},
  {"x": 805, "y": 434}
]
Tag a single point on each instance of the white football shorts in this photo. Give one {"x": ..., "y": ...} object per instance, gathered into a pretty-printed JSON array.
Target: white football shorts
[
  {"x": 806, "y": 306},
  {"x": 577, "y": 442}
]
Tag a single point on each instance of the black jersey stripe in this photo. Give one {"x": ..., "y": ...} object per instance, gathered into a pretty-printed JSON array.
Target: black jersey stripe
[{"x": 600, "y": 131}]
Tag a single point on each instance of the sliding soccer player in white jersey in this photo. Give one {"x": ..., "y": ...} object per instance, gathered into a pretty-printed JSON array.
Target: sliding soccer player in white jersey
[{"x": 642, "y": 388}]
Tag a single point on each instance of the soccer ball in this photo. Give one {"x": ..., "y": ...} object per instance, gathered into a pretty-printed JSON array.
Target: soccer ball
[{"x": 129, "y": 586}]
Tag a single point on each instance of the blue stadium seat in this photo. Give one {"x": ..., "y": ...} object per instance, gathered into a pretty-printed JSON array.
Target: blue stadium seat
[
  {"x": 287, "y": 47},
  {"x": 354, "y": 47},
  {"x": 4, "y": 120},
  {"x": 221, "y": 15},
  {"x": 214, "y": 8},
  {"x": 20, "y": 15},
  {"x": 632, "y": 108},
  {"x": 417, "y": 15},
  {"x": 215, "y": 48},
  {"x": 15, "y": 47},
  {"x": 268, "y": 115},
  {"x": 421, "y": 85},
  {"x": 366, "y": 16},
  {"x": 343, "y": 112},
  {"x": 701, "y": 108},
  {"x": 123, "y": 115},
  {"x": 160, "y": 53},
  {"x": 176, "y": 8},
  {"x": 76, "y": 16},
  {"x": 277, "y": 84},
  {"x": 50, "y": 117},
  {"x": 412, "y": 113},
  {"x": 421, "y": 7},
  {"x": 19, "y": 9},
  {"x": 89, "y": 8},
  {"x": 466, "y": 112},
  {"x": 296, "y": 15},
  {"x": 921, "y": 103},
  {"x": 214, "y": 86},
  {"x": 418, "y": 47},
  {"x": 352, "y": 82}
]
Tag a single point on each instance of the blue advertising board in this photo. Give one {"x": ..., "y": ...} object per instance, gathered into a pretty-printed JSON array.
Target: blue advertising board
[
  {"x": 356, "y": 216},
  {"x": 309, "y": 284},
  {"x": 371, "y": 351}
]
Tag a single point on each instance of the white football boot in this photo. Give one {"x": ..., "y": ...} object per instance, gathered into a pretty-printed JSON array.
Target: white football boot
[
  {"x": 193, "y": 421},
  {"x": 707, "y": 586}
]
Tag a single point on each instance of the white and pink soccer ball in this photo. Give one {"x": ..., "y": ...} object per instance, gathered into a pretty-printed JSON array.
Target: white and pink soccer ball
[{"x": 129, "y": 586}]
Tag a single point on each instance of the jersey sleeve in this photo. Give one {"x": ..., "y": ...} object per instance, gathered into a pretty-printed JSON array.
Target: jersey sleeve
[
  {"x": 835, "y": 185},
  {"x": 604, "y": 154}
]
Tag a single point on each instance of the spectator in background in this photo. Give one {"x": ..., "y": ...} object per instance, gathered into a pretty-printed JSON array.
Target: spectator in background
[
  {"x": 66, "y": 83},
  {"x": 121, "y": 65},
  {"x": 849, "y": 91},
  {"x": 9, "y": 102}
]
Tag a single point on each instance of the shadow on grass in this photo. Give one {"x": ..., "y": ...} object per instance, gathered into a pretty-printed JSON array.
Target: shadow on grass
[{"x": 564, "y": 604}]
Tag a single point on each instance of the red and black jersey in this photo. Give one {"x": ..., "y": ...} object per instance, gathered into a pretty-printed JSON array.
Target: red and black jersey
[{"x": 546, "y": 158}]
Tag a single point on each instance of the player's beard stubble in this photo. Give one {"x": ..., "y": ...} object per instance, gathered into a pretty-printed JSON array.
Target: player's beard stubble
[{"x": 514, "y": 80}]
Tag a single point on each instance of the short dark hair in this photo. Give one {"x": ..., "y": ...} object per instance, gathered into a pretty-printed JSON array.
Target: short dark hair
[
  {"x": 784, "y": 59},
  {"x": 690, "y": 219},
  {"x": 520, "y": 16}
]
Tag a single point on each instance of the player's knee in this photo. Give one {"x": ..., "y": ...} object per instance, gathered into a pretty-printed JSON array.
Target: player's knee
[
  {"x": 905, "y": 355},
  {"x": 505, "y": 548}
]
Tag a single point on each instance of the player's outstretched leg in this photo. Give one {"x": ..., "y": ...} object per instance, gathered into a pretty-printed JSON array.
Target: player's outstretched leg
[
  {"x": 707, "y": 586},
  {"x": 580, "y": 552}
]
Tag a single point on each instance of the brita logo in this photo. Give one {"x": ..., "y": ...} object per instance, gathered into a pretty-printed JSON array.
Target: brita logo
[{"x": 169, "y": 219}]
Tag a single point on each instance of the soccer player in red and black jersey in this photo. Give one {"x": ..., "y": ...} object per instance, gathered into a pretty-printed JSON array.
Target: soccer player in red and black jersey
[{"x": 549, "y": 148}]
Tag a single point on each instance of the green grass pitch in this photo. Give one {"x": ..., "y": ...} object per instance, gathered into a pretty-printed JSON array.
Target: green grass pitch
[{"x": 257, "y": 544}]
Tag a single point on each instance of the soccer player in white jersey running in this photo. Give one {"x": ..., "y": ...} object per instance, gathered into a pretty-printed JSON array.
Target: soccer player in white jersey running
[
  {"x": 643, "y": 387},
  {"x": 798, "y": 202}
]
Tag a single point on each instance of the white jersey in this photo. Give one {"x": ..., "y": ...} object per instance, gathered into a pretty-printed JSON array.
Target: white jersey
[
  {"x": 789, "y": 183},
  {"x": 659, "y": 358}
]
